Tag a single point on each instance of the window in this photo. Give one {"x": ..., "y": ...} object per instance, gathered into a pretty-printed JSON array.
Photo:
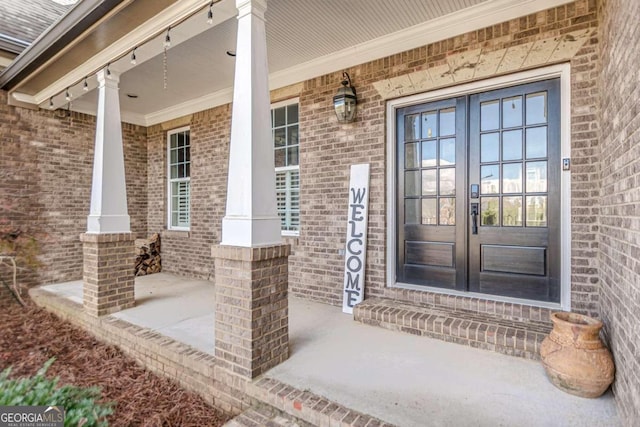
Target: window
[
  {"x": 284, "y": 123},
  {"x": 179, "y": 147}
]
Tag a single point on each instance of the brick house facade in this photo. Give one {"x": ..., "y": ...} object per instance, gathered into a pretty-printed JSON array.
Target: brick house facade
[
  {"x": 46, "y": 183},
  {"x": 604, "y": 175},
  {"x": 619, "y": 197}
]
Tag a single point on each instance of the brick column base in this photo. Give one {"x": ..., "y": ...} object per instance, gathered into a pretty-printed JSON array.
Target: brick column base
[
  {"x": 252, "y": 309},
  {"x": 108, "y": 279}
]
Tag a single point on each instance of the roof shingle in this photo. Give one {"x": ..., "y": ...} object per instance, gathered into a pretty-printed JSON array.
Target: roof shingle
[{"x": 22, "y": 21}]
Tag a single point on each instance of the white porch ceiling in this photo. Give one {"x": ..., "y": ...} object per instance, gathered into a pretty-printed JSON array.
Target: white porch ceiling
[{"x": 305, "y": 38}]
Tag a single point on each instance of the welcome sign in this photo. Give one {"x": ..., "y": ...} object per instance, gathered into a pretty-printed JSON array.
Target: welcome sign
[{"x": 356, "y": 243}]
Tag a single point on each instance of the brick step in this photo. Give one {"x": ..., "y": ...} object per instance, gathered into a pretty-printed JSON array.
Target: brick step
[
  {"x": 521, "y": 338},
  {"x": 267, "y": 416},
  {"x": 306, "y": 406}
]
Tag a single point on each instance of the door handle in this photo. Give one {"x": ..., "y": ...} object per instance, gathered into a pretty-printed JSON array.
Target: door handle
[{"x": 474, "y": 218}]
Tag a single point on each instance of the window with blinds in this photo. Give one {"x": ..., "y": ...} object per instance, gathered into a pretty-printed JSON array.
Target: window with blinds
[
  {"x": 179, "y": 155},
  {"x": 284, "y": 123}
]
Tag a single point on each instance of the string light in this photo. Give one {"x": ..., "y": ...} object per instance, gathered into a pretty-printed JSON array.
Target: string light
[
  {"x": 164, "y": 68},
  {"x": 167, "y": 44},
  {"x": 133, "y": 59},
  {"x": 210, "y": 14},
  {"x": 167, "y": 39}
]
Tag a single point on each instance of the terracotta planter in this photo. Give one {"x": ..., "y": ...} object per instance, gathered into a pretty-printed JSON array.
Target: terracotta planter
[{"x": 575, "y": 358}]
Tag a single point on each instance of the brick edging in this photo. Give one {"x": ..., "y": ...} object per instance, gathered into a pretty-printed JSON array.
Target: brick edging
[
  {"x": 308, "y": 406},
  {"x": 192, "y": 369}
]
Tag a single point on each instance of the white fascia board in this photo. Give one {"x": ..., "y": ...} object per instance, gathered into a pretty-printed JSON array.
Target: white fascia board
[{"x": 23, "y": 97}]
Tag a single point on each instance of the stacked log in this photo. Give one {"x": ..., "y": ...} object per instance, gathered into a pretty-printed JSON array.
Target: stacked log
[{"x": 148, "y": 260}]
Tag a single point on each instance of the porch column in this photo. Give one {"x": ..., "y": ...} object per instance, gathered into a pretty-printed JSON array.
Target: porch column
[
  {"x": 251, "y": 263},
  {"x": 108, "y": 244}
]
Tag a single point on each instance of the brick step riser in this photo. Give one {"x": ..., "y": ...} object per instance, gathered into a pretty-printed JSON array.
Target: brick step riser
[
  {"x": 472, "y": 329},
  {"x": 508, "y": 311}
]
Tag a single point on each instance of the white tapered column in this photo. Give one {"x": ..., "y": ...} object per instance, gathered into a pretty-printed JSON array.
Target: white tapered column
[
  {"x": 251, "y": 263},
  {"x": 108, "y": 244},
  {"x": 251, "y": 218},
  {"x": 108, "y": 212}
]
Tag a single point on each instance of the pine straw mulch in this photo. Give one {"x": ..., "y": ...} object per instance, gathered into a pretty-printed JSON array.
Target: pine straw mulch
[{"x": 30, "y": 336}]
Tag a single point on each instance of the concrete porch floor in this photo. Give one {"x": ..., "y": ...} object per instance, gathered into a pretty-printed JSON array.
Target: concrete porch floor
[{"x": 399, "y": 378}]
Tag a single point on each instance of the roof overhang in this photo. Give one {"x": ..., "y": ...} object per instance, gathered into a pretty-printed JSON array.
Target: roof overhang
[
  {"x": 100, "y": 32},
  {"x": 63, "y": 34}
]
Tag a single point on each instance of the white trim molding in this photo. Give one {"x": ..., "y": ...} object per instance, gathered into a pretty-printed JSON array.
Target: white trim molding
[{"x": 563, "y": 71}]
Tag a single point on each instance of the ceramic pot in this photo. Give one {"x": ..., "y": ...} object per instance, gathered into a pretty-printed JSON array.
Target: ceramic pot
[{"x": 575, "y": 358}]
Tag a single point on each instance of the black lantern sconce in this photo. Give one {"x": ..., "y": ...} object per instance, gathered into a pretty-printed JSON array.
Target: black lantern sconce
[{"x": 344, "y": 101}]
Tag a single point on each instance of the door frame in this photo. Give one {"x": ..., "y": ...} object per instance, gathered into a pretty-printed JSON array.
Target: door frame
[{"x": 563, "y": 71}]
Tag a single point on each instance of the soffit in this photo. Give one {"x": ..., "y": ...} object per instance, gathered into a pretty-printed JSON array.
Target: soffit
[
  {"x": 297, "y": 32},
  {"x": 305, "y": 38},
  {"x": 302, "y": 30}
]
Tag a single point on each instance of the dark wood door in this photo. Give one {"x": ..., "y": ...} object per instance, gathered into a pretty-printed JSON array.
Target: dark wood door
[
  {"x": 431, "y": 194},
  {"x": 514, "y": 158},
  {"x": 496, "y": 154}
]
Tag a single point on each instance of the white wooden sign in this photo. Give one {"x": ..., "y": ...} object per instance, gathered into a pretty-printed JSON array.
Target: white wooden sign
[{"x": 356, "y": 243}]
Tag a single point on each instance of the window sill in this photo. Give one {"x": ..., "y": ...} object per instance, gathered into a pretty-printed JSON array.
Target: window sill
[{"x": 178, "y": 234}]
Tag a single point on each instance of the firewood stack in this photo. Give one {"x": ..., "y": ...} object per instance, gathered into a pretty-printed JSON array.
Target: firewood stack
[{"x": 148, "y": 260}]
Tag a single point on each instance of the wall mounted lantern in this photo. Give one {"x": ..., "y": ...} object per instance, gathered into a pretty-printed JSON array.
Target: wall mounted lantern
[{"x": 344, "y": 101}]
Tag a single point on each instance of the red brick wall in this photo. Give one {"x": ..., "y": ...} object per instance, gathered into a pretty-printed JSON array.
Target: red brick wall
[
  {"x": 620, "y": 198},
  {"x": 45, "y": 184},
  {"x": 327, "y": 150},
  {"x": 189, "y": 253}
]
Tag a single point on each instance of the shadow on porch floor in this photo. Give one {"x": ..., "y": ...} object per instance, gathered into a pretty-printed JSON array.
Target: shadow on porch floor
[{"x": 399, "y": 378}]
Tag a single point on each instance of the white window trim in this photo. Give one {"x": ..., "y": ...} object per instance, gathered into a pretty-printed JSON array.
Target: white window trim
[
  {"x": 280, "y": 104},
  {"x": 169, "y": 180},
  {"x": 560, "y": 70}
]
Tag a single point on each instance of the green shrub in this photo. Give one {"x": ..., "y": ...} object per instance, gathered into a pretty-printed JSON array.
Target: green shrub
[{"x": 79, "y": 403}]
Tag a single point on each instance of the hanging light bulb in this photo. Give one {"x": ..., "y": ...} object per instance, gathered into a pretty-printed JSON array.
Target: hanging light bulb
[
  {"x": 133, "y": 56},
  {"x": 51, "y": 103},
  {"x": 85, "y": 85},
  {"x": 67, "y": 95},
  {"x": 167, "y": 39},
  {"x": 210, "y": 14}
]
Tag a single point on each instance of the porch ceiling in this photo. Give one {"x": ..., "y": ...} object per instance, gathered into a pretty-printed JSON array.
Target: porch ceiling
[{"x": 305, "y": 38}]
